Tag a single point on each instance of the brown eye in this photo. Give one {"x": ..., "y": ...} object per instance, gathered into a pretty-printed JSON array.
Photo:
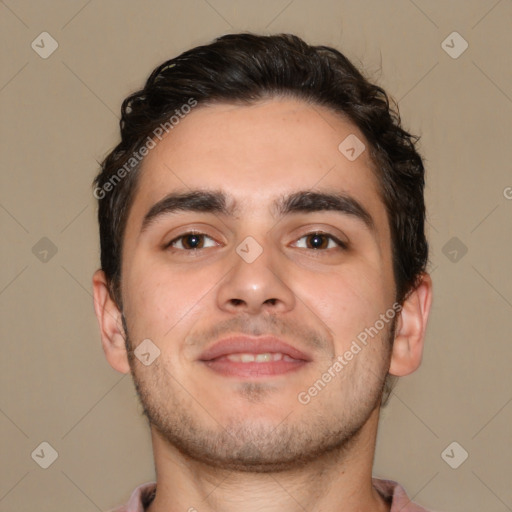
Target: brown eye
[
  {"x": 190, "y": 241},
  {"x": 318, "y": 240}
]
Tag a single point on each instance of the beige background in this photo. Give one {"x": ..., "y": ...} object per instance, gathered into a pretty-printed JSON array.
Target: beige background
[{"x": 60, "y": 114}]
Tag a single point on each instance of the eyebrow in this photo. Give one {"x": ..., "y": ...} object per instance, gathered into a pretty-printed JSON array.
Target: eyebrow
[{"x": 216, "y": 202}]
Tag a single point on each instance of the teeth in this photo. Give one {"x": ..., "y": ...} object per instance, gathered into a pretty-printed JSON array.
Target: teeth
[{"x": 258, "y": 358}]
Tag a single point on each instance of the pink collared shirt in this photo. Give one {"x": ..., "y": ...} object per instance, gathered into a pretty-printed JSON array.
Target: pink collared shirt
[{"x": 392, "y": 491}]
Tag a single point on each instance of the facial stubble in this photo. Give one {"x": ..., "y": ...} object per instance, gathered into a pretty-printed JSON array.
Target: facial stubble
[{"x": 256, "y": 446}]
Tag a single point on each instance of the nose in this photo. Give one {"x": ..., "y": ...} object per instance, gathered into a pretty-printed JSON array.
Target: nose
[{"x": 256, "y": 287}]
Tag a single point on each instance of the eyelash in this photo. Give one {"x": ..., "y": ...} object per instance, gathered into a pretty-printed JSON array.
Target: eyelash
[{"x": 341, "y": 245}]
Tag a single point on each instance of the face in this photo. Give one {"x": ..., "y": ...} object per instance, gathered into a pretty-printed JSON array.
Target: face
[{"x": 310, "y": 271}]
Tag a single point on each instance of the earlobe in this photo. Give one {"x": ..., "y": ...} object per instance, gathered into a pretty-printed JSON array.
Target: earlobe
[
  {"x": 411, "y": 327},
  {"x": 110, "y": 323}
]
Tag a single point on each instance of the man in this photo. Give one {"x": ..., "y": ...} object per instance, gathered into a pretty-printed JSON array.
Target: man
[{"x": 262, "y": 275}]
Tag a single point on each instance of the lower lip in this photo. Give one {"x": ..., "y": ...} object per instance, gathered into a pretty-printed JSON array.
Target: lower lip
[{"x": 238, "y": 369}]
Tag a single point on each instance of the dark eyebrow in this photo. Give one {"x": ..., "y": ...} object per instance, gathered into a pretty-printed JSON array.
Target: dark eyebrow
[
  {"x": 310, "y": 201},
  {"x": 305, "y": 201},
  {"x": 194, "y": 201}
]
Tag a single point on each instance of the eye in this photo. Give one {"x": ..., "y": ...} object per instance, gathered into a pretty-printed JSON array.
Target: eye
[
  {"x": 191, "y": 241},
  {"x": 319, "y": 240}
]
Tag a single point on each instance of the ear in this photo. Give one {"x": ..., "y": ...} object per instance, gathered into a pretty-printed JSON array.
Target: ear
[
  {"x": 410, "y": 329},
  {"x": 111, "y": 326}
]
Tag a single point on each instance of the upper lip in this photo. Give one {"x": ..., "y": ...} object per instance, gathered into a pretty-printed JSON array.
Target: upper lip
[{"x": 240, "y": 344}]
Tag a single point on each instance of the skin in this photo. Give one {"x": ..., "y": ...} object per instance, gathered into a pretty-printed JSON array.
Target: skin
[{"x": 224, "y": 443}]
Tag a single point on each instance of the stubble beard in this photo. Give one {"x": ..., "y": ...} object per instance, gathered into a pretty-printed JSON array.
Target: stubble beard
[{"x": 258, "y": 447}]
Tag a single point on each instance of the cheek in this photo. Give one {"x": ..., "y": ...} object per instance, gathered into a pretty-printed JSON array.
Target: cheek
[
  {"x": 160, "y": 297},
  {"x": 346, "y": 300}
]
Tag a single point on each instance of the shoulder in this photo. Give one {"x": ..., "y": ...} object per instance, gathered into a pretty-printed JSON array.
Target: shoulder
[
  {"x": 396, "y": 495},
  {"x": 139, "y": 499}
]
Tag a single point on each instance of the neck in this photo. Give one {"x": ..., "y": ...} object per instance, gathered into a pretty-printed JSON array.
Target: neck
[{"x": 338, "y": 480}]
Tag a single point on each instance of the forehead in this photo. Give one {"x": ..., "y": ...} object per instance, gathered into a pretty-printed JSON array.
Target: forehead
[{"x": 256, "y": 153}]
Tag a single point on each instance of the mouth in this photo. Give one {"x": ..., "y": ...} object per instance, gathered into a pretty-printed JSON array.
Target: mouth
[{"x": 242, "y": 356}]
